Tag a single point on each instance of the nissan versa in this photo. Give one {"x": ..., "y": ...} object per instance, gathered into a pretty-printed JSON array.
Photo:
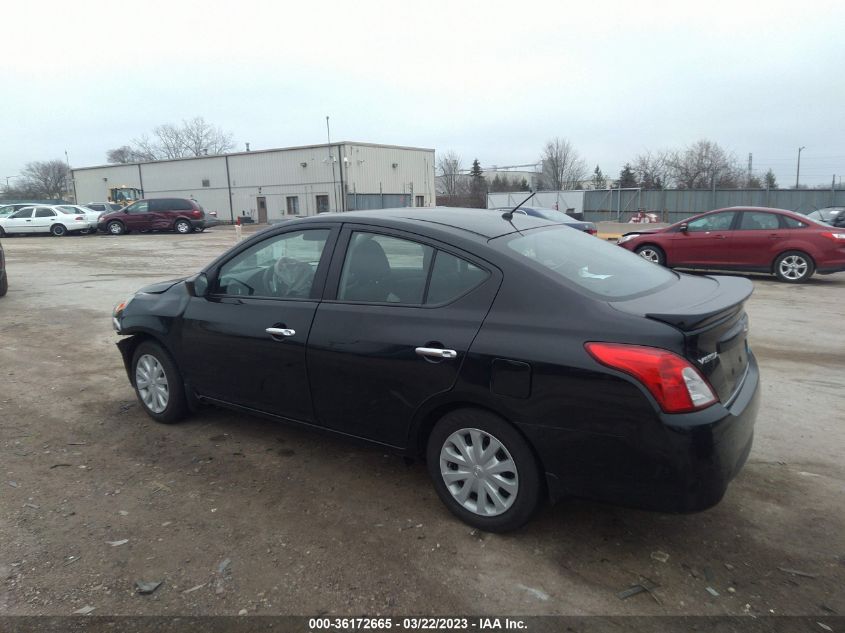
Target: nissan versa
[{"x": 521, "y": 359}]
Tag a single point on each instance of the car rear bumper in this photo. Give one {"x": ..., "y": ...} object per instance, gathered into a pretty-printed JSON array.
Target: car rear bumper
[{"x": 678, "y": 463}]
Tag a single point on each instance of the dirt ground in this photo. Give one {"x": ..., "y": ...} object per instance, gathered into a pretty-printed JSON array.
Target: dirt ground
[{"x": 235, "y": 513}]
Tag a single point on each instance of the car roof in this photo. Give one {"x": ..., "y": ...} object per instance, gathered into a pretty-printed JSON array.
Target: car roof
[{"x": 478, "y": 222}]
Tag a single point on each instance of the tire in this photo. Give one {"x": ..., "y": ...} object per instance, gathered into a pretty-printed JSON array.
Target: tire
[
  {"x": 4, "y": 284},
  {"x": 794, "y": 267},
  {"x": 518, "y": 487},
  {"x": 183, "y": 227},
  {"x": 164, "y": 399},
  {"x": 115, "y": 228},
  {"x": 58, "y": 230},
  {"x": 2, "y": 232},
  {"x": 652, "y": 253}
]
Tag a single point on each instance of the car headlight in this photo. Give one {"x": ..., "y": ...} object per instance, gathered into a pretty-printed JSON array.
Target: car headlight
[{"x": 625, "y": 238}]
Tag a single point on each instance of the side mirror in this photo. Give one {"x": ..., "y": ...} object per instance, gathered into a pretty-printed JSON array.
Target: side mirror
[
  {"x": 683, "y": 228},
  {"x": 197, "y": 285}
]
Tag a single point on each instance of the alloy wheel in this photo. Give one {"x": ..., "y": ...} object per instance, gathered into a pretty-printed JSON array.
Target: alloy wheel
[
  {"x": 651, "y": 255},
  {"x": 151, "y": 382},
  {"x": 793, "y": 267},
  {"x": 479, "y": 472},
  {"x": 183, "y": 227}
]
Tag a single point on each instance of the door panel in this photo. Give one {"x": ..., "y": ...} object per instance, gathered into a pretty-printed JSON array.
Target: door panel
[
  {"x": 20, "y": 221},
  {"x": 757, "y": 239},
  {"x": 367, "y": 377},
  {"x": 228, "y": 355},
  {"x": 43, "y": 219},
  {"x": 707, "y": 242},
  {"x": 137, "y": 216}
]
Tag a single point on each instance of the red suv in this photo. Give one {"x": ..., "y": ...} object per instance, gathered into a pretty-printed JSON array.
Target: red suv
[
  {"x": 755, "y": 239},
  {"x": 155, "y": 214}
]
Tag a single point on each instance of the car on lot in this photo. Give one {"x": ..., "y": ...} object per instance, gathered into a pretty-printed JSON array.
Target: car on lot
[
  {"x": 104, "y": 207},
  {"x": 155, "y": 214},
  {"x": 835, "y": 216},
  {"x": 521, "y": 359},
  {"x": 8, "y": 209},
  {"x": 43, "y": 219},
  {"x": 4, "y": 278},
  {"x": 753, "y": 239},
  {"x": 554, "y": 216},
  {"x": 90, "y": 215}
]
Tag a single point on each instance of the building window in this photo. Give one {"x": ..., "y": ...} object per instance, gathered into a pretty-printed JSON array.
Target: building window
[
  {"x": 322, "y": 204},
  {"x": 206, "y": 182},
  {"x": 293, "y": 205},
  {"x": 420, "y": 201}
]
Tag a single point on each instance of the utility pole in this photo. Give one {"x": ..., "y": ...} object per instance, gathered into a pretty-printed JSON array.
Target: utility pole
[
  {"x": 750, "y": 162},
  {"x": 798, "y": 169},
  {"x": 331, "y": 161}
]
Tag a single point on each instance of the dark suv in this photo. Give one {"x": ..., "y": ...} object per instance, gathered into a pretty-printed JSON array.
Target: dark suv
[{"x": 155, "y": 214}]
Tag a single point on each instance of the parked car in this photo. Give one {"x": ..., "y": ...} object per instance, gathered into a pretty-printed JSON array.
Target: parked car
[
  {"x": 9, "y": 209},
  {"x": 43, "y": 219},
  {"x": 90, "y": 215},
  {"x": 155, "y": 214},
  {"x": 522, "y": 360},
  {"x": 555, "y": 216},
  {"x": 4, "y": 278},
  {"x": 835, "y": 216},
  {"x": 755, "y": 239},
  {"x": 103, "y": 207}
]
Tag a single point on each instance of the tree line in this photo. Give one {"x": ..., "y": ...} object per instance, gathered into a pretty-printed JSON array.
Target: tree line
[{"x": 700, "y": 165}]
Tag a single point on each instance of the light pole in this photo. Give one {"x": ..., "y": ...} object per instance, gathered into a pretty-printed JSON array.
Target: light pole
[
  {"x": 8, "y": 178},
  {"x": 798, "y": 169}
]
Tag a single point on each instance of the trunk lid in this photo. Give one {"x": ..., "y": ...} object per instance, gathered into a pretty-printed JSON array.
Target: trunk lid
[{"x": 710, "y": 311}]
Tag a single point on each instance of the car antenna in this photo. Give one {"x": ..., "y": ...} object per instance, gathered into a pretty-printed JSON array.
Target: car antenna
[{"x": 508, "y": 215}]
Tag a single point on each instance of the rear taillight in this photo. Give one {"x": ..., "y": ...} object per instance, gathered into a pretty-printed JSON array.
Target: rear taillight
[
  {"x": 836, "y": 237},
  {"x": 677, "y": 386},
  {"x": 196, "y": 213}
]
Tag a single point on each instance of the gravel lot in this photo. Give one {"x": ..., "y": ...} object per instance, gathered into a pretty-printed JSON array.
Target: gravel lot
[{"x": 312, "y": 525}]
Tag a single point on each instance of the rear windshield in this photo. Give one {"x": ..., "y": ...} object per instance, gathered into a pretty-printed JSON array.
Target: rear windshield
[{"x": 602, "y": 269}]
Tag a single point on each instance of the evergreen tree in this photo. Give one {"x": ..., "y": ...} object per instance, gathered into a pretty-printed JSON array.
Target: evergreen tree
[
  {"x": 599, "y": 181},
  {"x": 627, "y": 177},
  {"x": 769, "y": 180},
  {"x": 478, "y": 185}
]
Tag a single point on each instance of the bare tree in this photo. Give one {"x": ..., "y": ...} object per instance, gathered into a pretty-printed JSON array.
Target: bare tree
[
  {"x": 450, "y": 179},
  {"x": 704, "y": 164},
  {"x": 125, "y": 154},
  {"x": 45, "y": 179},
  {"x": 194, "y": 137},
  {"x": 652, "y": 169},
  {"x": 563, "y": 167}
]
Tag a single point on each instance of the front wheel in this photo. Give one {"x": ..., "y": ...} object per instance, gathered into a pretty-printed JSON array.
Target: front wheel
[
  {"x": 794, "y": 267},
  {"x": 483, "y": 470},
  {"x": 116, "y": 228},
  {"x": 158, "y": 383},
  {"x": 182, "y": 226},
  {"x": 58, "y": 230},
  {"x": 652, "y": 253}
]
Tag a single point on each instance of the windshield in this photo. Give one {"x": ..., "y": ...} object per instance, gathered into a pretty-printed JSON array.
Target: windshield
[{"x": 603, "y": 270}]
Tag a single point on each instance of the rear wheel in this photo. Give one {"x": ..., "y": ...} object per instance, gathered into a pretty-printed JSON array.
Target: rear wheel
[
  {"x": 652, "y": 253},
  {"x": 794, "y": 267},
  {"x": 158, "y": 383},
  {"x": 115, "y": 228},
  {"x": 4, "y": 284},
  {"x": 58, "y": 230},
  {"x": 182, "y": 226},
  {"x": 483, "y": 470},
  {"x": 2, "y": 232}
]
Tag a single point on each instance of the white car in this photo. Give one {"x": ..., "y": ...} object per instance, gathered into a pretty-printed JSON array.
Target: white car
[
  {"x": 43, "y": 219},
  {"x": 90, "y": 215}
]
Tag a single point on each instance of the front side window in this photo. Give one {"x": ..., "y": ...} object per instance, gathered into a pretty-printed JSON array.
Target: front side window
[
  {"x": 137, "y": 208},
  {"x": 601, "y": 269},
  {"x": 713, "y": 222},
  {"x": 280, "y": 267},
  {"x": 384, "y": 269},
  {"x": 43, "y": 212},
  {"x": 758, "y": 221},
  {"x": 26, "y": 212}
]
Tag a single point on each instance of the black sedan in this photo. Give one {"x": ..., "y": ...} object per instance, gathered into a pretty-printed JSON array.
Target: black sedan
[
  {"x": 835, "y": 216},
  {"x": 522, "y": 360},
  {"x": 553, "y": 215}
]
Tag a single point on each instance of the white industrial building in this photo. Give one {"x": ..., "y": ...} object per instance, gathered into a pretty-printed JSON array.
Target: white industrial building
[{"x": 268, "y": 185}]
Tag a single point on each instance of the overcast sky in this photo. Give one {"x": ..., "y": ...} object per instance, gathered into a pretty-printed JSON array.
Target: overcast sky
[{"x": 486, "y": 79}]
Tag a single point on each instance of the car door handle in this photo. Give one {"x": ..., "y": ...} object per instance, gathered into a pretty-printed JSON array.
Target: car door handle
[
  {"x": 436, "y": 352},
  {"x": 280, "y": 331},
  {"x": 775, "y": 236}
]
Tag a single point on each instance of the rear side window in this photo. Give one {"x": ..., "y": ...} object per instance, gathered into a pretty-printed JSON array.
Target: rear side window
[
  {"x": 452, "y": 277},
  {"x": 42, "y": 212},
  {"x": 384, "y": 269},
  {"x": 758, "y": 221},
  {"x": 179, "y": 204},
  {"x": 792, "y": 223},
  {"x": 599, "y": 268}
]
